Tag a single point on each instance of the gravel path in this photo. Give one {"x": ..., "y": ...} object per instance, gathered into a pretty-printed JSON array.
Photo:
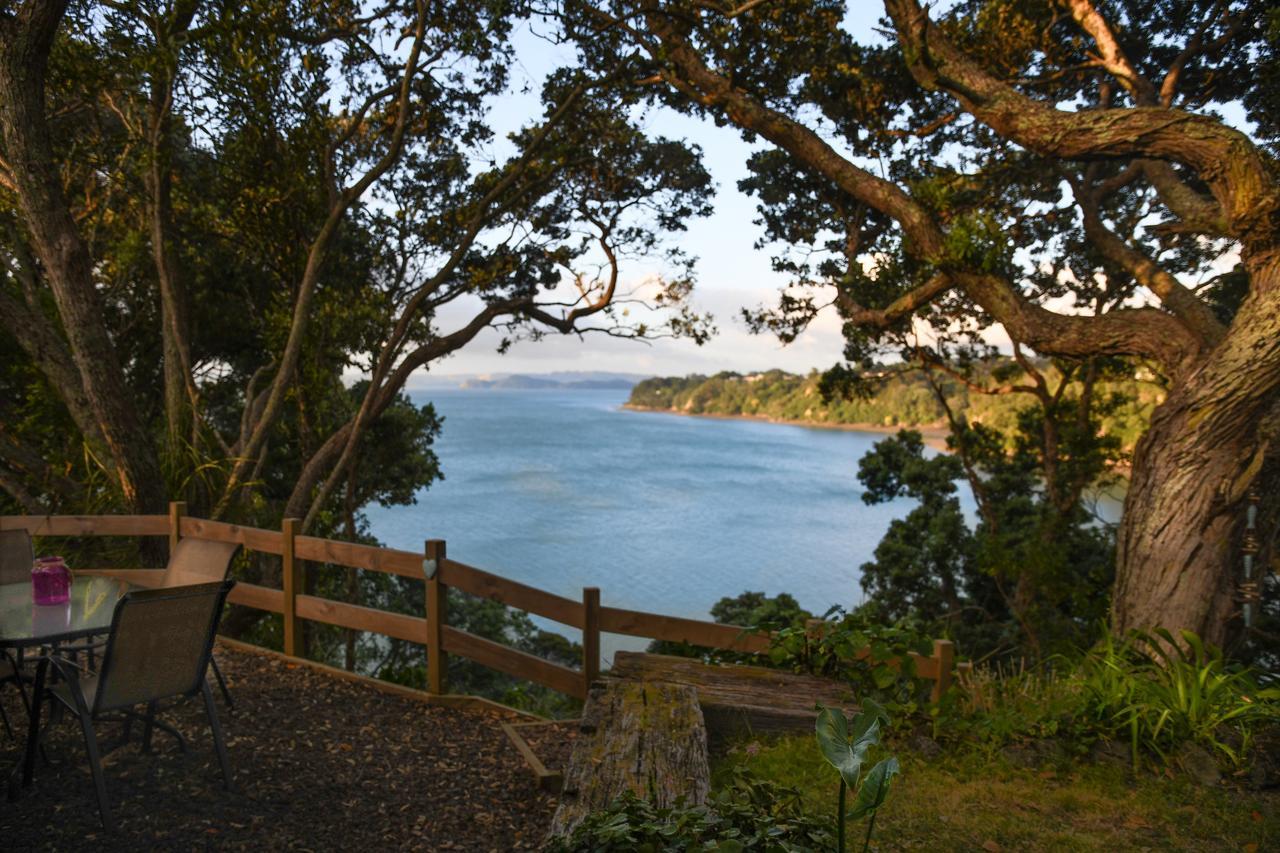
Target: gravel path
[{"x": 320, "y": 764}]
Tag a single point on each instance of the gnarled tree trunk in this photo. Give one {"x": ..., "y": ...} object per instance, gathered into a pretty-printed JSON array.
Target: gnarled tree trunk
[{"x": 1176, "y": 555}]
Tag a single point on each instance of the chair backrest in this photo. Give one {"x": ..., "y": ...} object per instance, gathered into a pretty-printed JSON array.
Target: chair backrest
[
  {"x": 160, "y": 644},
  {"x": 16, "y": 556},
  {"x": 199, "y": 561}
]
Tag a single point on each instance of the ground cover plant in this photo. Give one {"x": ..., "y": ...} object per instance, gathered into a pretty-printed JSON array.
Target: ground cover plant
[
  {"x": 746, "y": 813},
  {"x": 1159, "y": 693}
]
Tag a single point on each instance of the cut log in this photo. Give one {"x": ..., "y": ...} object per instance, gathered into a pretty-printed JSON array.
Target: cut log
[
  {"x": 737, "y": 698},
  {"x": 645, "y": 737}
]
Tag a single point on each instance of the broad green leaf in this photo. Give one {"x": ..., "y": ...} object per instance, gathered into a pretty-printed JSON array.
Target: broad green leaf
[
  {"x": 875, "y": 789},
  {"x": 870, "y": 711},
  {"x": 842, "y": 753}
]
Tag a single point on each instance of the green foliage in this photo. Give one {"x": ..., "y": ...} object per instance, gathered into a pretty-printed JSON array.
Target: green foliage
[
  {"x": 886, "y": 396},
  {"x": 871, "y": 656},
  {"x": 1159, "y": 692},
  {"x": 753, "y": 610},
  {"x": 1000, "y": 704},
  {"x": 1150, "y": 691},
  {"x": 1032, "y": 577},
  {"x": 967, "y": 796},
  {"x": 258, "y": 149},
  {"x": 845, "y": 746},
  {"x": 746, "y": 814}
]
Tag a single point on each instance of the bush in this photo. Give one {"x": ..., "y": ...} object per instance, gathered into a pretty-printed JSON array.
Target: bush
[
  {"x": 873, "y": 657},
  {"x": 1148, "y": 690},
  {"x": 748, "y": 814},
  {"x": 1158, "y": 694},
  {"x": 753, "y": 610}
]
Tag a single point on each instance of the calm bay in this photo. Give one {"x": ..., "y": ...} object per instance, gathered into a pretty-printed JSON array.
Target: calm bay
[{"x": 565, "y": 489}]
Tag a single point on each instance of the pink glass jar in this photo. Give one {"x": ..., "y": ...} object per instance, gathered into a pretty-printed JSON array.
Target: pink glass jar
[{"x": 50, "y": 581}]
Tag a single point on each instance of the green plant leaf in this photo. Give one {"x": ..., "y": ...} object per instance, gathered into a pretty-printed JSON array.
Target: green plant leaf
[
  {"x": 875, "y": 789},
  {"x": 841, "y": 752}
]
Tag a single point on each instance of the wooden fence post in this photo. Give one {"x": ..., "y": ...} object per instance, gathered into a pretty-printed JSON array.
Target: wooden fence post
[
  {"x": 437, "y": 617},
  {"x": 590, "y": 635},
  {"x": 177, "y": 509},
  {"x": 292, "y": 582},
  {"x": 944, "y": 652}
]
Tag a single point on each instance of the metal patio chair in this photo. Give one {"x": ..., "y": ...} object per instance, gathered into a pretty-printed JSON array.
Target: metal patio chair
[
  {"x": 159, "y": 648},
  {"x": 16, "y": 556},
  {"x": 193, "y": 561},
  {"x": 196, "y": 561}
]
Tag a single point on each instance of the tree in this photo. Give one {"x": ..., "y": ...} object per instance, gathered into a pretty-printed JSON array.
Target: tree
[
  {"x": 1059, "y": 169},
  {"x": 210, "y": 214}
]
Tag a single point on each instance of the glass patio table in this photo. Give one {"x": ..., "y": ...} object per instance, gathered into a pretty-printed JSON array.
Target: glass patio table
[{"x": 25, "y": 624}]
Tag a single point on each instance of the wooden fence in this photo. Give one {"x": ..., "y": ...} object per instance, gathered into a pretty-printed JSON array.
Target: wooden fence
[{"x": 432, "y": 628}]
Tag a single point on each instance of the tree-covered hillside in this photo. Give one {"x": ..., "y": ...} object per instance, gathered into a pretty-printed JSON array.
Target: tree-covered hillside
[{"x": 903, "y": 399}]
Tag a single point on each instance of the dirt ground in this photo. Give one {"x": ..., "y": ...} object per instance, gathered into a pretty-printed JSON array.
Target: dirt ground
[{"x": 320, "y": 764}]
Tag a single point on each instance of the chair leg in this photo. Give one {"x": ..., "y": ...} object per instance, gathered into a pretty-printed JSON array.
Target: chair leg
[
  {"x": 222, "y": 683},
  {"x": 219, "y": 746},
  {"x": 4, "y": 718},
  {"x": 95, "y": 767}
]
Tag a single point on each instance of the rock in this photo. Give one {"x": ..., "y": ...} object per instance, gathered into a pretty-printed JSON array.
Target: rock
[
  {"x": 925, "y": 746},
  {"x": 1198, "y": 764}
]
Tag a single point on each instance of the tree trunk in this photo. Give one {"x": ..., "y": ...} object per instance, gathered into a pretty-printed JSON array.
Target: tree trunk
[
  {"x": 25, "y": 41},
  {"x": 1176, "y": 555}
]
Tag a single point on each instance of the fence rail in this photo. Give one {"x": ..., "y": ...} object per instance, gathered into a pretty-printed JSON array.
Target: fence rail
[{"x": 440, "y": 573}]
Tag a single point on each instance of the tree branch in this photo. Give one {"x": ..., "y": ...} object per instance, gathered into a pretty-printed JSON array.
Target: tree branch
[
  {"x": 715, "y": 90},
  {"x": 1227, "y": 160},
  {"x": 250, "y": 448},
  {"x": 898, "y": 309},
  {"x": 1194, "y": 313}
]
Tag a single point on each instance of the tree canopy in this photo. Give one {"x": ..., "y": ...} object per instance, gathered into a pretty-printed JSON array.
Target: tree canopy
[
  {"x": 1059, "y": 169},
  {"x": 213, "y": 216}
]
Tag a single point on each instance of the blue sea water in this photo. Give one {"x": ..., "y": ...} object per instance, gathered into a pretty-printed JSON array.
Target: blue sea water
[
  {"x": 669, "y": 514},
  {"x": 666, "y": 514}
]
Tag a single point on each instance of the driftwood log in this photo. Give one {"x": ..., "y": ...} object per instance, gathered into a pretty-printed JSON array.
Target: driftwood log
[
  {"x": 645, "y": 737},
  {"x": 736, "y": 698}
]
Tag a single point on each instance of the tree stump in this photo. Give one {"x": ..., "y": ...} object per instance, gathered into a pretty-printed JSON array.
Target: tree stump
[{"x": 645, "y": 737}]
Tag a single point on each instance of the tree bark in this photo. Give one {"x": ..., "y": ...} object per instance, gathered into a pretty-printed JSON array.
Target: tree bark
[
  {"x": 26, "y": 38},
  {"x": 1176, "y": 552}
]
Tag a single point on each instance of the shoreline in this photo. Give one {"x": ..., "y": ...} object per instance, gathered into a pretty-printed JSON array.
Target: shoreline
[{"x": 935, "y": 435}]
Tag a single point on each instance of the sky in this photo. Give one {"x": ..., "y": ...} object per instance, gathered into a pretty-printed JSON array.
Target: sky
[{"x": 731, "y": 272}]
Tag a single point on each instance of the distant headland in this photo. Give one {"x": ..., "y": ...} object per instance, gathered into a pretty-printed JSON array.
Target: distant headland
[
  {"x": 904, "y": 400},
  {"x": 569, "y": 380}
]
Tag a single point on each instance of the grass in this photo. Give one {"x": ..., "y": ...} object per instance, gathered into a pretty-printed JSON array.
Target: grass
[{"x": 971, "y": 799}]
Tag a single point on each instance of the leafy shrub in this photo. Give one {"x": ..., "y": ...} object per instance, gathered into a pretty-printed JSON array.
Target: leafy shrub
[
  {"x": 1159, "y": 693},
  {"x": 873, "y": 657},
  {"x": 1148, "y": 690},
  {"x": 753, "y": 610},
  {"x": 749, "y": 814}
]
